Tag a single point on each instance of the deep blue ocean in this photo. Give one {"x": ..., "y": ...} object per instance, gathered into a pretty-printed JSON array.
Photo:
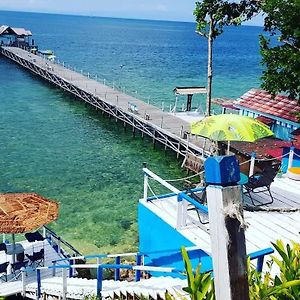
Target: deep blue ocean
[{"x": 56, "y": 146}]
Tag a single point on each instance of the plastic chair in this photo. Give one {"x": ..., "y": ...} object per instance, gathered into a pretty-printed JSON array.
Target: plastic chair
[{"x": 261, "y": 182}]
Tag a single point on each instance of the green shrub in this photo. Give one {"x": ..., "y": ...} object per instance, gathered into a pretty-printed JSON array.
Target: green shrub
[
  {"x": 262, "y": 286},
  {"x": 289, "y": 265}
]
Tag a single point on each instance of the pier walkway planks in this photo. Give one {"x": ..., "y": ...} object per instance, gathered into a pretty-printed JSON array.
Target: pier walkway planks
[{"x": 163, "y": 127}]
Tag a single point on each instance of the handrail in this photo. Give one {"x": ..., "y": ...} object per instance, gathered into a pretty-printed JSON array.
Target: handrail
[
  {"x": 198, "y": 205},
  {"x": 194, "y": 190},
  {"x": 254, "y": 255},
  {"x": 100, "y": 268},
  {"x": 181, "y": 205},
  {"x": 161, "y": 181},
  {"x": 137, "y": 268},
  {"x": 113, "y": 266},
  {"x": 53, "y": 234},
  {"x": 101, "y": 255},
  {"x": 95, "y": 256}
]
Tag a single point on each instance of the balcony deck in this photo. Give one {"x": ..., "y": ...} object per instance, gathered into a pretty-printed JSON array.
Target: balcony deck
[
  {"x": 279, "y": 220},
  {"x": 14, "y": 285}
]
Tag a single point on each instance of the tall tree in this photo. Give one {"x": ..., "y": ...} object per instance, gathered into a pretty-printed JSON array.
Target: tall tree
[
  {"x": 281, "y": 57},
  {"x": 211, "y": 17}
]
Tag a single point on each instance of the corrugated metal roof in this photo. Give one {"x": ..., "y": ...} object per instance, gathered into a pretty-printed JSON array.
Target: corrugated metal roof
[
  {"x": 4, "y": 29},
  {"x": 261, "y": 101},
  {"x": 260, "y": 147},
  {"x": 265, "y": 120},
  {"x": 21, "y": 31}
]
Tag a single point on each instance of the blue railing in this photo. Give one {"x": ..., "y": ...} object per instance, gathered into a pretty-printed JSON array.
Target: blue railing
[
  {"x": 100, "y": 268},
  {"x": 259, "y": 255},
  {"x": 201, "y": 207},
  {"x": 194, "y": 190},
  {"x": 54, "y": 238}
]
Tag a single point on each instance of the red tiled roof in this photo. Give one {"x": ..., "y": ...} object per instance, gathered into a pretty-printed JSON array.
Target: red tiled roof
[{"x": 261, "y": 101}]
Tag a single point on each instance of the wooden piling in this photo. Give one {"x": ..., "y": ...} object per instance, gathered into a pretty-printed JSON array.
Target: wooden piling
[{"x": 228, "y": 242}]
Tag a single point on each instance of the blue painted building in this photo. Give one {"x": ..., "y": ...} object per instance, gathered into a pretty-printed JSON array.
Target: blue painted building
[{"x": 279, "y": 112}]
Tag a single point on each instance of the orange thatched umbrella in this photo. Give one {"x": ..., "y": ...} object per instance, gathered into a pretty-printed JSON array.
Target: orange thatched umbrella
[{"x": 20, "y": 212}]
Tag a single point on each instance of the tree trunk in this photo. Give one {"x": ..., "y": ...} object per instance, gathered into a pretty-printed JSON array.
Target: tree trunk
[{"x": 209, "y": 68}]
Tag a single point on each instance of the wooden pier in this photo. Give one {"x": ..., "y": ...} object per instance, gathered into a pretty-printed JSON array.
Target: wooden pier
[{"x": 163, "y": 127}]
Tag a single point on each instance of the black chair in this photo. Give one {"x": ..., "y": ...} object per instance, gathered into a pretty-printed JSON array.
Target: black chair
[
  {"x": 261, "y": 182},
  {"x": 3, "y": 271},
  {"x": 33, "y": 236},
  {"x": 3, "y": 247},
  {"x": 36, "y": 259},
  {"x": 16, "y": 268}
]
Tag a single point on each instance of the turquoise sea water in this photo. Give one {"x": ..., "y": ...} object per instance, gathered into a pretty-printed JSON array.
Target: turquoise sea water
[{"x": 56, "y": 146}]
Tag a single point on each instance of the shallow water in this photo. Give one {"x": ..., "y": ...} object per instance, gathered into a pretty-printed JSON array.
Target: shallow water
[{"x": 54, "y": 145}]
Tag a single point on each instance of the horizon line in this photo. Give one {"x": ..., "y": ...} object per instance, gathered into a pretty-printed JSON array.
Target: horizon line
[{"x": 109, "y": 17}]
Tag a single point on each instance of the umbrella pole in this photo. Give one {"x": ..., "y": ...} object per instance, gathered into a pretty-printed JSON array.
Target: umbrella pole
[
  {"x": 228, "y": 147},
  {"x": 14, "y": 248}
]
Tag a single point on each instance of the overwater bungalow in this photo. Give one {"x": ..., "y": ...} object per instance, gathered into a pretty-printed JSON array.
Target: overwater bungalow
[{"x": 17, "y": 37}]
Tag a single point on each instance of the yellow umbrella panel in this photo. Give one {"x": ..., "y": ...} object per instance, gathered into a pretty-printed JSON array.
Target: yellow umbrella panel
[{"x": 229, "y": 127}]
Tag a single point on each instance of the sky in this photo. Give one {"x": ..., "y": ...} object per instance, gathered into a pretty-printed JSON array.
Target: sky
[{"x": 176, "y": 10}]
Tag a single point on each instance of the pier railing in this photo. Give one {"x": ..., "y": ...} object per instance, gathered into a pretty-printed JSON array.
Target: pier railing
[
  {"x": 288, "y": 160},
  {"x": 164, "y": 105},
  {"x": 112, "y": 103},
  {"x": 182, "y": 197}
]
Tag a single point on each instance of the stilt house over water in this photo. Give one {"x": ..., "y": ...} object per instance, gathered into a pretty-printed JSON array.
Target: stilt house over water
[{"x": 17, "y": 37}]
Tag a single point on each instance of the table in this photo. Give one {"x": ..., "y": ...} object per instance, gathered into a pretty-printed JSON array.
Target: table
[{"x": 14, "y": 250}]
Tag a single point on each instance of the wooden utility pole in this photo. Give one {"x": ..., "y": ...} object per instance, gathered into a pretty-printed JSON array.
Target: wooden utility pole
[{"x": 227, "y": 231}]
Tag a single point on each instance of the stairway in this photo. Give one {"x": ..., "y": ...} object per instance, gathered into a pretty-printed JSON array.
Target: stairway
[{"x": 79, "y": 288}]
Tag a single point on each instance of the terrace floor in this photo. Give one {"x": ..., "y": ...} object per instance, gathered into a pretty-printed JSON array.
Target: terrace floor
[
  {"x": 279, "y": 220},
  {"x": 14, "y": 284}
]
